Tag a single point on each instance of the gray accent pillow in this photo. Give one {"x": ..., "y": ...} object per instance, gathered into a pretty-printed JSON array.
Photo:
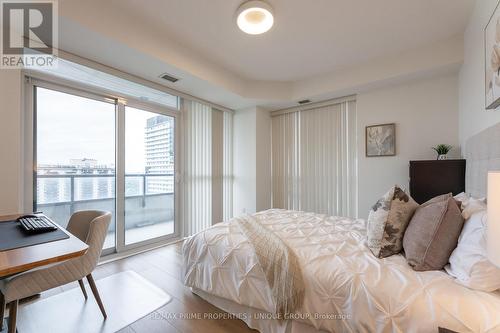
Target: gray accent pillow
[
  {"x": 387, "y": 222},
  {"x": 433, "y": 233}
]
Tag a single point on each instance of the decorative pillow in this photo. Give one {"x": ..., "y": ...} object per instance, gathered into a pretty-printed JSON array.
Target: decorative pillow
[
  {"x": 439, "y": 198},
  {"x": 433, "y": 233},
  {"x": 387, "y": 222},
  {"x": 468, "y": 262}
]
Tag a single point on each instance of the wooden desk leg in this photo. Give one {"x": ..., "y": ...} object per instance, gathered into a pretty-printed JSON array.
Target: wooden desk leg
[
  {"x": 5, "y": 323},
  {"x": 13, "y": 316},
  {"x": 2, "y": 310}
]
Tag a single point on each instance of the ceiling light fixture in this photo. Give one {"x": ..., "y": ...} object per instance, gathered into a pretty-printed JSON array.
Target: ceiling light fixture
[{"x": 255, "y": 17}]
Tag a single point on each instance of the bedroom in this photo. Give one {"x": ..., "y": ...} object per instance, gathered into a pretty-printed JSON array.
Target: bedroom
[{"x": 172, "y": 123}]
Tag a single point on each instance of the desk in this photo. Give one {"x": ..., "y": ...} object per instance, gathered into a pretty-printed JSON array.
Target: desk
[{"x": 26, "y": 258}]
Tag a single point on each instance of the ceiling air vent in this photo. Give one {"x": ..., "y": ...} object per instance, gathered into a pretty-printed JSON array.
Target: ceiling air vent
[
  {"x": 169, "y": 78},
  {"x": 304, "y": 101}
]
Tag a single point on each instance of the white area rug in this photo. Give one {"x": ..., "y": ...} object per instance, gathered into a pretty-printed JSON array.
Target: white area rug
[{"x": 127, "y": 297}]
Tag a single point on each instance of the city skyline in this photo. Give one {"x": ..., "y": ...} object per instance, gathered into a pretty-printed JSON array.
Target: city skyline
[
  {"x": 76, "y": 140},
  {"x": 88, "y": 131}
]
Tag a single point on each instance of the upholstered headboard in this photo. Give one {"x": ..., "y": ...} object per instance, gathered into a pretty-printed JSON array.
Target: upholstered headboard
[{"x": 482, "y": 152}]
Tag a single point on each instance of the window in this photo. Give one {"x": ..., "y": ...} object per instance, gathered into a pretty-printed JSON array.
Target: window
[
  {"x": 75, "y": 156},
  {"x": 314, "y": 159},
  {"x": 94, "y": 152},
  {"x": 102, "y": 142},
  {"x": 149, "y": 175}
]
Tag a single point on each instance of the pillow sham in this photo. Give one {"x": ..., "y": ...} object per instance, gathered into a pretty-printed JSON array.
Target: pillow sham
[
  {"x": 433, "y": 233},
  {"x": 387, "y": 222},
  {"x": 469, "y": 263}
]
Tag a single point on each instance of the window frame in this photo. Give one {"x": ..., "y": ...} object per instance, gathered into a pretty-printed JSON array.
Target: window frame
[{"x": 36, "y": 79}]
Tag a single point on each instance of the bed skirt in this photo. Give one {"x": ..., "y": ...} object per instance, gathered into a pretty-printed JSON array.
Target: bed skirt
[{"x": 259, "y": 320}]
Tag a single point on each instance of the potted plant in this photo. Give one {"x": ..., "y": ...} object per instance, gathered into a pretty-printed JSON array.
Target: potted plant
[{"x": 442, "y": 150}]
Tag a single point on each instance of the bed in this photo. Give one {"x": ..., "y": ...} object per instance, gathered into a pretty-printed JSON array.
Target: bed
[{"x": 347, "y": 288}]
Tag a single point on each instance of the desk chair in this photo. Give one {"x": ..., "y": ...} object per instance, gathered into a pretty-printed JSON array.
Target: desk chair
[{"x": 91, "y": 227}]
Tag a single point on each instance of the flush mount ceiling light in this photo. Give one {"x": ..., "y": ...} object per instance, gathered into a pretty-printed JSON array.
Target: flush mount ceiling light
[{"x": 255, "y": 17}]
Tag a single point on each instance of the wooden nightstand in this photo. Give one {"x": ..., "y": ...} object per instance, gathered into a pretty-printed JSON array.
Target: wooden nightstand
[{"x": 432, "y": 178}]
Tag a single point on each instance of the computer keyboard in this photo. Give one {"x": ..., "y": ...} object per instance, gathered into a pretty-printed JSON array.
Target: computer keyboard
[{"x": 37, "y": 224}]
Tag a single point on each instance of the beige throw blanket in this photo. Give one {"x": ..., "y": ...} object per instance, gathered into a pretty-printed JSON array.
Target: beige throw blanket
[{"x": 279, "y": 263}]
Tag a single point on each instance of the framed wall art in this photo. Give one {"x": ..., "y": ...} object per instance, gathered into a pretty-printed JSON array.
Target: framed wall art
[{"x": 380, "y": 140}]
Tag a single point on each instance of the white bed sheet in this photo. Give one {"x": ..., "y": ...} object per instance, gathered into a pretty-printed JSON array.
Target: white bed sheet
[{"x": 347, "y": 288}]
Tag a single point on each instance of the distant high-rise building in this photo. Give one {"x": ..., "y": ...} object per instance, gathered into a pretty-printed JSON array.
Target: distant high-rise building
[
  {"x": 83, "y": 162},
  {"x": 159, "y": 143}
]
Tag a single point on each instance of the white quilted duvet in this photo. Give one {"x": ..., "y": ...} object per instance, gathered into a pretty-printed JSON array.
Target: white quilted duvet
[{"x": 347, "y": 288}]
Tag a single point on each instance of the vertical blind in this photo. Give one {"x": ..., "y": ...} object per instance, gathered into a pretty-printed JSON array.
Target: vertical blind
[
  {"x": 314, "y": 159},
  {"x": 206, "y": 156},
  {"x": 227, "y": 172}
]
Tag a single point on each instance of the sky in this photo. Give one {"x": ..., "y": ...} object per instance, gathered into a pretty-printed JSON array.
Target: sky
[{"x": 73, "y": 127}]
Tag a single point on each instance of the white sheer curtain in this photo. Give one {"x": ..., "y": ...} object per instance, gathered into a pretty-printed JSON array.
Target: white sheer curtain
[
  {"x": 205, "y": 154},
  {"x": 314, "y": 159}
]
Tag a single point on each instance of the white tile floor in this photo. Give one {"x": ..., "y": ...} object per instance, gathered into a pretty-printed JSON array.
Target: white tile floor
[{"x": 140, "y": 234}]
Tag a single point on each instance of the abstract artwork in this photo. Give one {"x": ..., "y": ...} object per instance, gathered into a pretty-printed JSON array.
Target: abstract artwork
[
  {"x": 381, "y": 140},
  {"x": 492, "y": 61}
]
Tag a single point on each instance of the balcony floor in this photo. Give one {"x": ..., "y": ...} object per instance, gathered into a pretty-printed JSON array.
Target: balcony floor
[{"x": 139, "y": 234}]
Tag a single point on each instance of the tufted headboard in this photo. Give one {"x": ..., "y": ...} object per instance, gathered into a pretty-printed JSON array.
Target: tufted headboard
[{"x": 482, "y": 153}]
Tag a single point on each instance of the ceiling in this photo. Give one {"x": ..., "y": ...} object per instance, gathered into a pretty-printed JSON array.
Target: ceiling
[
  {"x": 309, "y": 37},
  {"x": 199, "y": 40}
]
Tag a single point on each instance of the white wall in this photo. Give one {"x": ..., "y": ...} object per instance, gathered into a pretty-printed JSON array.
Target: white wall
[
  {"x": 473, "y": 115},
  {"x": 252, "y": 161},
  {"x": 244, "y": 166},
  {"x": 10, "y": 142},
  {"x": 425, "y": 113}
]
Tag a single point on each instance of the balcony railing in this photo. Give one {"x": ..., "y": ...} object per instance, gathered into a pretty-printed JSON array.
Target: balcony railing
[{"x": 149, "y": 198}]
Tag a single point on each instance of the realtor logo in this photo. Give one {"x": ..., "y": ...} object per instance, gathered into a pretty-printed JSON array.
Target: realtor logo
[{"x": 29, "y": 33}]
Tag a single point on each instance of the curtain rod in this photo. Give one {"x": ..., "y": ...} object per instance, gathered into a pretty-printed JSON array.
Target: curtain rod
[{"x": 333, "y": 101}]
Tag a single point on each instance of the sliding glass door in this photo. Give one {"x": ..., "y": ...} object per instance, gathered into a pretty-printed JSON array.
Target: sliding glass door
[
  {"x": 75, "y": 156},
  {"x": 149, "y": 175},
  {"x": 95, "y": 152}
]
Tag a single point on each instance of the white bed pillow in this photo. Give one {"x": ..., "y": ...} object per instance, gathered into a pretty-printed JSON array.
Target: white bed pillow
[
  {"x": 463, "y": 198},
  {"x": 473, "y": 206},
  {"x": 468, "y": 262},
  {"x": 470, "y": 205}
]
